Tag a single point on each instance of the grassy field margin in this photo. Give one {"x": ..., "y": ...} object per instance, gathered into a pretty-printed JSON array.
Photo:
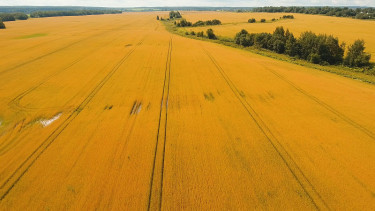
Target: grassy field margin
[{"x": 360, "y": 74}]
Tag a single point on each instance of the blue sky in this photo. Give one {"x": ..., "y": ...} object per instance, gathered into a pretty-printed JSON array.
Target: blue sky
[{"x": 141, "y": 3}]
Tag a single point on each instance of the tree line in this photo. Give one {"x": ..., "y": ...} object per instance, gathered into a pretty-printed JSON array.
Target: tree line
[
  {"x": 13, "y": 16},
  {"x": 42, "y": 14},
  {"x": 253, "y": 20},
  {"x": 319, "y": 49},
  {"x": 185, "y": 23},
  {"x": 358, "y": 13},
  {"x": 210, "y": 34}
]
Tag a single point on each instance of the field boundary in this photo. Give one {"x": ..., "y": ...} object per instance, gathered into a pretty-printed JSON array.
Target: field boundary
[{"x": 352, "y": 73}]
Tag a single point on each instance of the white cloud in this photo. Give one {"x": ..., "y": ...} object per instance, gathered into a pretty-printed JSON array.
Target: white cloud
[{"x": 153, "y": 3}]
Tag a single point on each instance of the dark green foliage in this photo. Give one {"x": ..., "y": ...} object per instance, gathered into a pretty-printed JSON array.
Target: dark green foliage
[
  {"x": 157, "y": 17},
  {"x": 242, "y": 38},
  {"x": 358, "y": 13},
  {"x": 174, "y": 14},
  {"x": 288, "y": 17},
  {"x": 42, "y": 14},
  {"x": 184, "y": 23},
  {"x": 13, "y": 16},
  {"x": 210, "y": 34},
  {"x": 262, "y": 20},
  {"x": 208, "y": 23},
  {"x": 2, "y": 25},
  {"x": 314, "y": 58},
  {"x": 192, "y": 33},
  {"x": 199, "y": 23},
  {"x": 20, "y": 16},
  {"x": 327, "y": 47},
  {"x": 262, "y": 40},
  {"x": 251, "y": 20},
  {"x": 216, "y": 22},
  {"x": 7, "y": 17},
  {"x": 273, "y": 19},
  {"x": 291, "y": 45},
  {"x": 200, "y": 34},
  {"x": 319, "y": 49},
  {"x": 356, "y": 57}
]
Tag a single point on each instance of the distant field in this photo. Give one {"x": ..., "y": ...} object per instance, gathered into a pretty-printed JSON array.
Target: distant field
[
  {"x": 114, "y": 112},
  {"x": 347, "y": 29}
]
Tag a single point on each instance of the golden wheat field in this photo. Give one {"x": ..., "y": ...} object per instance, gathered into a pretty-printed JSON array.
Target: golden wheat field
[
  {"x": 346, "y": 29},
  {"x": 114, "y": 112}
]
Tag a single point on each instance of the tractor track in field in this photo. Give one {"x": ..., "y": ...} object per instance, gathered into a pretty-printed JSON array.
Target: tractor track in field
[
  {"x": 156, "y": 187},
  {"x": 45, "y": 42},
  {"x": 324, "y": 105},
  {"x": 15, "y": 102},
  {"x": 63, "y": 48},
  {"x": 15, "y": 177},
  {"x": 292, "y": 166}
]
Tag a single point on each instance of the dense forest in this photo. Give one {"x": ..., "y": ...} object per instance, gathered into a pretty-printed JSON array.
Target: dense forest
[
  {"x": 319, "y": 49},
  {"x": 13, "y": 16},
  {"x": 358, "y": 13},
  {"x": 42, "y": 14},
  {"x": 30, "y": 9}
]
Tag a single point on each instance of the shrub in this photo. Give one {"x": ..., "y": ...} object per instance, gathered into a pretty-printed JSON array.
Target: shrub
[
  {"x": 262, "y": 20},
  {"x": 210, "y": 34},
  {"x": 200, "y": 34},
  {"x": 251, "y": 20},
  {"x": 184, "y": 23},
  {"x": 314, "y": 58},
  {"x": 198, "y": 23},
  {"x": 192, "y": 33},
  {"x": 216, "y": 22},
  {"x": 288, "y": 17},
  {"x": 157, "y": 17},
  {"x": 208, "y": 23}
]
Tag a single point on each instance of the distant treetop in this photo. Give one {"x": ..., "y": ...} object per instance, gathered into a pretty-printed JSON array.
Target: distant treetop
[{"x": 358, "y": 13}]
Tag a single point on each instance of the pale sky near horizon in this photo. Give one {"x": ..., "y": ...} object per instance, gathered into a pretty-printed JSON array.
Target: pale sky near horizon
[{"x": 212, "y": 3}]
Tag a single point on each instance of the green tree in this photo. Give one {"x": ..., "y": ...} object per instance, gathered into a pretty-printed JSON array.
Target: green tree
[
  {"x": 210, "y": 34},
  {"x": 251, "y": 20},
  {"x": 291, "y": 46},
  {"x": 174, "y": 14},
  {"x": 2, "y": 25},
  {"x": 356, "y": 56}
]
